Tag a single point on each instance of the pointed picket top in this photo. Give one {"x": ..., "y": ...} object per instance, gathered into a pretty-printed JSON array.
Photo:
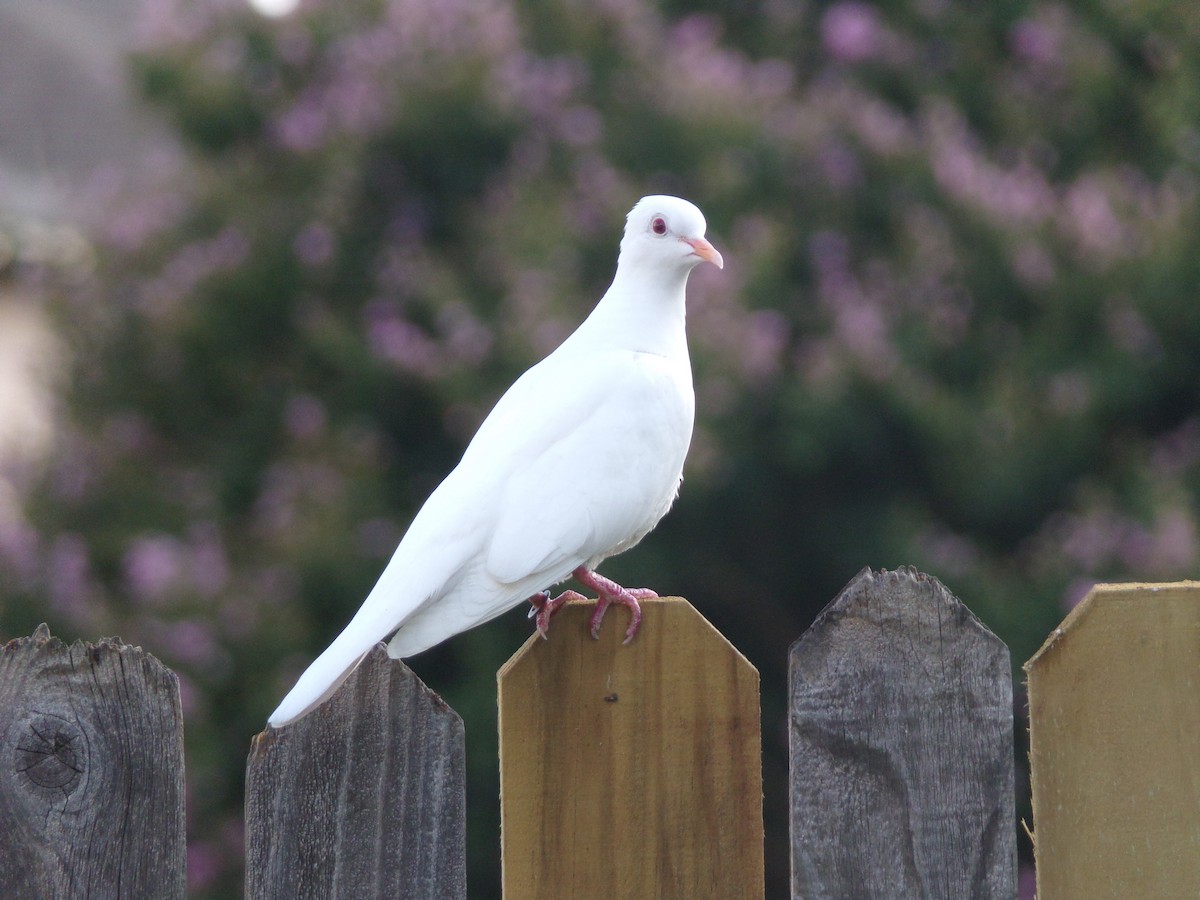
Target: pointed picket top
[
  {"x": 362, "y": 797},
  {"x": 1114, "y": 728},
  {"x": 630, "y": 770},
  {"x": 901, "y": 747}
]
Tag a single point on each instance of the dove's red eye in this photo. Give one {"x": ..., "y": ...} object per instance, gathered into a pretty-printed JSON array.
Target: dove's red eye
[{"x": 658, "y": 225}]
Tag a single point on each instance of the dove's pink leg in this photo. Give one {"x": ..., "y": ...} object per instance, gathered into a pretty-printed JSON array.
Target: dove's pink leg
[{"x": 609, "y": 592}]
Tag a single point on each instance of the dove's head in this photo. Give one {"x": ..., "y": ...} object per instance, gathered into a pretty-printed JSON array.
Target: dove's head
[{"x": 667, "y": 232}]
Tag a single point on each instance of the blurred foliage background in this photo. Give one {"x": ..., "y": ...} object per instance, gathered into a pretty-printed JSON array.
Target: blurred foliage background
[{"x": 957, "y": 326}]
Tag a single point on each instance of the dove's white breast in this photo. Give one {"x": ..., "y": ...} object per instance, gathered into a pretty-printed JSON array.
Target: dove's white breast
[{"x": 597, "y": 443}]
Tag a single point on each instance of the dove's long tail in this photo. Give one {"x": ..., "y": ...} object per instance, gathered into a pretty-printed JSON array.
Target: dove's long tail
[{"x": 329, "y": 670}]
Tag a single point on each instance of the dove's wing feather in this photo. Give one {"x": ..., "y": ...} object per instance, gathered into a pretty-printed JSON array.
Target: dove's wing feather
[{"x": 632, "y": 444}]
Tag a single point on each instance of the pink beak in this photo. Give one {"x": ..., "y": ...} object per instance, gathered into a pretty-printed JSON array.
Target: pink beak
[{"x": 706, "y": 251}]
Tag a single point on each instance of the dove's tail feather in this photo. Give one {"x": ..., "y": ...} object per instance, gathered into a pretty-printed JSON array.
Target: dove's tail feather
[{"x": 326, "y": 673}]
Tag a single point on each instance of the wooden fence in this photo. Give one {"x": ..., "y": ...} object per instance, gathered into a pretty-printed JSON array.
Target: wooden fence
[{"x": 632, "y": 772}]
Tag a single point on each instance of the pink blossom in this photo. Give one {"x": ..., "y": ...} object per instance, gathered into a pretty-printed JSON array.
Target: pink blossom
[
  {"x": 205, "y": 864},
  {"x": 301, "y": 128},
  {"x": 1177, "y": 451},
  {"x": 581, "y": 125},
  {"x": 467, "y": 339},
  {"x": 1068, "y": 393},
  {"x": 314, "y": 244},
  {"x": 74, "y": 474},
  {"x": 948, "y": 552},
  {"x": 70, "y": 579},
  {"x": 285, "y": 488},
  {"x": 851, "y": 31},
  {"x": 1036, "y": 41},
  {"x": 1089, "y": 539},
  {"x": 1091, "y": 219},
  {"x": 883, "y": 129},
  {"x": 192, "y": 643},
  {"x": 1017, "y": 196},
  {"x": 295, "y": 44},
  {"x": 1026, "y": 882},
  {"x": 1075, "y": 592},
  {"x": 766, "y": 338},
  {"x": 394, "y": 339},
  {"x": 839, "y": 164},
  {"x": 128, "y": 220},
  {"x": 19, "y": 545},
  {"x": 208, "y": 566},
  {"x": 1173, "y": 546},
  {"x": 152, "y": 565},
  {"x": 1128, "y": 329},
  {"x": 305, "y": 417},
  {"x": 128, "y": 432},
  {"x": 1033, "y": 265}
]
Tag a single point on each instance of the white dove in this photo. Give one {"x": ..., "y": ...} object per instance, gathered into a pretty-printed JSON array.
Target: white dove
[{"x": 577, "y": 462}]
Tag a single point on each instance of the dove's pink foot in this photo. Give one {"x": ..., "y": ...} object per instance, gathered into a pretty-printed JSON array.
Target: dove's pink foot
[
  {"x": 543, "y": 607},
  {"x": 609, "y": 592}
]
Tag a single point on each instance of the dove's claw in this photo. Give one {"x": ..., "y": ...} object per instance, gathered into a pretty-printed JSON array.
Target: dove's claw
[
  {"x": 609, "y": 592},
  {"x": 542, "y": 608},
  {"x": 536, "y": 602},
  {"x": 602, "y": 604}
]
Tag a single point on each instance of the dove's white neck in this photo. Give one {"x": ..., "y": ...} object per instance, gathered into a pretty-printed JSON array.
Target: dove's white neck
[{"x": 644, "y": 310}]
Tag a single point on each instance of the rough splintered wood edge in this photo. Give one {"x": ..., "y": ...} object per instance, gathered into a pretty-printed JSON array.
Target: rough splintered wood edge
[
  {"x": 42, "y": 637},
  {"x": 867, "y": 577},
  {"x": 363, "y": 796},
  {"x": 583, "y": 753}
]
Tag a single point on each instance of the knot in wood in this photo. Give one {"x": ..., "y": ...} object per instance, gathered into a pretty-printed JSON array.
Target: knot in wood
[{"x": 52, "y": 754}]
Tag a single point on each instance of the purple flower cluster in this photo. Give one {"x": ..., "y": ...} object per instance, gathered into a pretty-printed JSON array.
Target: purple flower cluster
[
  {"x": 157, "y": 565},
  {"x": 178, "y": 279}
]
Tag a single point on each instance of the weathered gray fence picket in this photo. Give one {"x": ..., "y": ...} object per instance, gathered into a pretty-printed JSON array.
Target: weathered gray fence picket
[
  {"x": 364, "y": 797},
  {"x": 901, "y": 747},
  {"x": 91, "y": 771}
]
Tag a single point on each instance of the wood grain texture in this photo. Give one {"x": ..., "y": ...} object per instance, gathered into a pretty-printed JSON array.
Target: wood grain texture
[
  {"x": 363, "y": 797},
  {"x": 901, "y": 747},
  {"x": 631, "y": 771},
  {"x": 91, "y": 771},
  {"x": 1114, "y": 727}
]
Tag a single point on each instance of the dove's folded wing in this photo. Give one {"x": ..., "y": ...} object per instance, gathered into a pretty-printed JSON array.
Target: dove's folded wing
[{"x": 631, "y": 444}]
